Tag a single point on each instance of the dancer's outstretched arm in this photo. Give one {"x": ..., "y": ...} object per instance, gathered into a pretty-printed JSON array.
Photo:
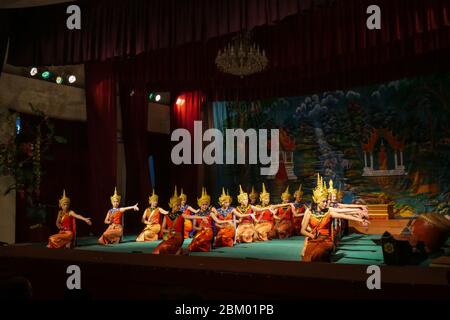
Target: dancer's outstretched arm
[{"x": 80, "y": 217}]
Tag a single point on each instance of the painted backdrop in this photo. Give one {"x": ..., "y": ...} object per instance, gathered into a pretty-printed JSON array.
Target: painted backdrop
[{"x": 383, "y": 143}]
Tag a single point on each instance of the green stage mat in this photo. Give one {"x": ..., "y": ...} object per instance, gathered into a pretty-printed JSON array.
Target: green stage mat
[{"x": 353, "y": 249}]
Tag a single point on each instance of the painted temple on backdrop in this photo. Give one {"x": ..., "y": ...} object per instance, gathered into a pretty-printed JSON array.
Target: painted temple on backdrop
[{"x": 381, "y": 135}]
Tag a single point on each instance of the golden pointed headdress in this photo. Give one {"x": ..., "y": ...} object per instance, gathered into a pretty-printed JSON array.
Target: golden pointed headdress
[
  {"x": 253, "y": 195},
  {"x": 225, "y": 197},
  {"x": 264, "y": 193},
  {"x": 175, "y": 199},
  {"x": 331, "y": 189},
  {"x": 153, "y": 197},
  {"x": 204, "y": 198},
  {"x": 183, "y": 196},
  {"x": 286, "y": 195},
  {"x": 298, "y": 192},
  {"x": 115, "y": 196},
  {"x": 64, "y": 199},
  {"x": 320, "y": 191},
  {"x": 242, "y": 195}
]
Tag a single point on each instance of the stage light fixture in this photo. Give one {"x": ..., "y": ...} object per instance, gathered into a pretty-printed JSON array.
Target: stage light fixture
[
  {"x": 180, "y": 102},
  {"x": 59, "y": 80},
  {"x": 33, "y": 71},
  {"x": 72, "y": 78},
  {"x": 157, "y": 97},
  {"x": 46, "y": 75}
]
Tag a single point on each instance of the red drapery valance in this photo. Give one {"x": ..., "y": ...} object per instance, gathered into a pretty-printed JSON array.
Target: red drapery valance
[
  {"x": 118, "y": 28},
  {"x": 324, "y": 48}
]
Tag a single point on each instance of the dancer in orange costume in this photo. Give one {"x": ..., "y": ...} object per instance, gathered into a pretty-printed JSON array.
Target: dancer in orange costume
[
  {"x": 173, "y": 227},
  {"x": 204, "y": 224},
  {"x": 151, "y": 218},
  {"x": 227, "y": 232},
  {"x": 253, "y": 196},
  {"x": 113, "y": 218},
  {"x": 245, "y": 218},
  {"x": 66, "y": 225},
  {"x": 298, "y": 211},
  {"x": 188, "y": 223},
  {"x": 283, "y": 217},
  {"x": 264, "y": 216},
  {"x": 319, "y": 246}
]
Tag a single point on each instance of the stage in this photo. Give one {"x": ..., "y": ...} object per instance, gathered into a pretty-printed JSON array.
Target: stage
[
  {"x": 264, "y": 270},
  {"x": 354, "y": 249}
]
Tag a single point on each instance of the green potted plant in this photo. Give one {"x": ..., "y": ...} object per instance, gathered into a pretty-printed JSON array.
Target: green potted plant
[{"x": 21, "y": 157}]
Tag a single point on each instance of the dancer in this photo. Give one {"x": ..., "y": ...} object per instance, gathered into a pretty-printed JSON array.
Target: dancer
[
  {"x": 283, "y": 216},
  {"x": 65, "y": 222},
  {"x": 113, "y": 218},
  {"x": 244, "y": 218},
  {"x": 264, "y": 215},
  {"x": 253, "y": 196},
  {"x": 320, "y": 245},
  {"x": 298, "y": 211},
  {"x": 151, "y": 218},
  {"x": 226, "y": 231},
  {"x": 186, "y": 209},
  {"x": 204, "y": 224},
  {"x": 173, "y": 228}
]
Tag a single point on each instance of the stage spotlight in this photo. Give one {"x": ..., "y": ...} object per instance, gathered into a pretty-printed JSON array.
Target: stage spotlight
[
  {"x": 46, "y": 75},
  {"x": 72, "y": 78},
  {"x": 180, "y": 102},
  {"x": 59, "y": 80},
  {"x": 33, "y": 71},
  {"x": 158, "y": 97}
]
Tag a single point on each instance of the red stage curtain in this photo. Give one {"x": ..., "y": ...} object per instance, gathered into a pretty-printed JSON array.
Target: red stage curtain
[
  {"x": 102, "y": 139},
  {"x": 134, "y": 106},
  {"x": 327, "y": 47},
  {"x": 324, "y": 49},
  {"x": 186, "y": 109},
  {"x": 118, "y": 28}
]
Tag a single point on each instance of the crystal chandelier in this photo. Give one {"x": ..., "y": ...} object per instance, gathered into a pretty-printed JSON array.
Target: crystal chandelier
[{"x": 241, "y": 57}]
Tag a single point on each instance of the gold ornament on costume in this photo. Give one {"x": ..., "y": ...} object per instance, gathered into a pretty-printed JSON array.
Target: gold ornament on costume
[
  {"x": 204, "y": 198},
  {"x": 64, "y": 199},
  {"x": 153, "y": 197},
  {"x": 299, "y": 192},
  {"x": 320, "y": 191},
  {"x": 253, "y": 195},
  {"x": 175, "y": 199},
  {"x": 115, "y": 196},
  {"x": 286, "y": 195},
  {"x": 264, "y": 193},
  {"x": 183, "y": 196},
  {"x": 242, "y": 195},
  {"x": 331, "y": 189}
]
